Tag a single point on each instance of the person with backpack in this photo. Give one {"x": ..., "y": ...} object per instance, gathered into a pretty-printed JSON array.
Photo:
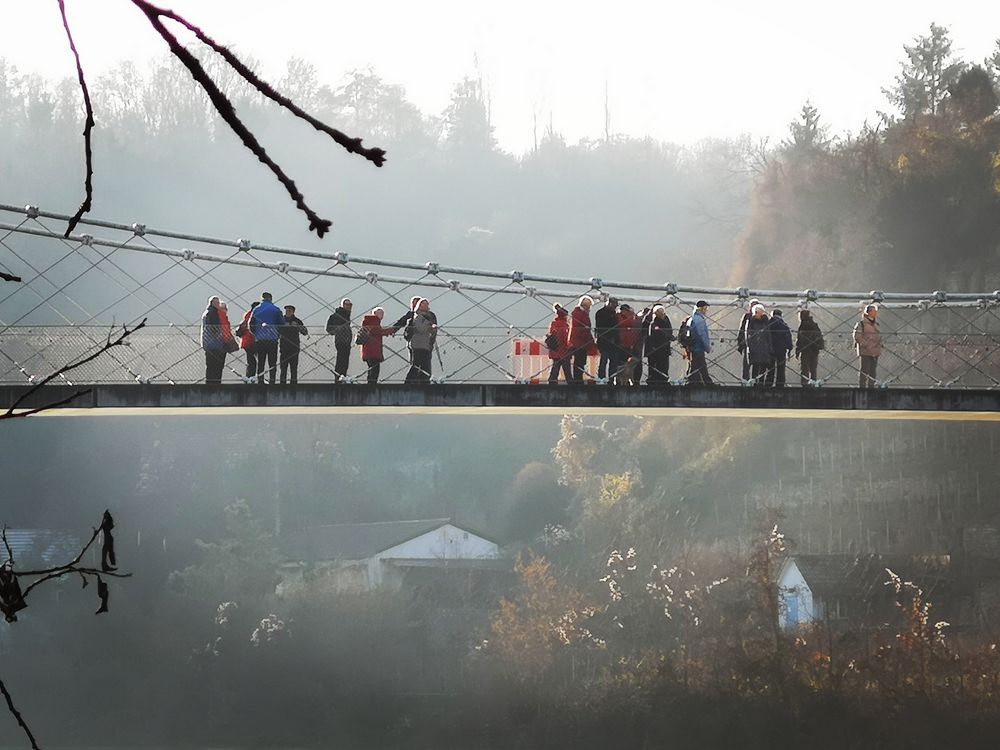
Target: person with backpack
[
  {"x": 557, "y": 342},
  {"x": 868, "y": 341},
  {"x": 338, "y": 325},
  {"x": 289, "y": 346},
  {"x": 369, "y": 338},
  {"x": 781, "y": 349},
  {"x": 759, "y": 350},
  {"x": 248, "y": 344},
  {"x": 658, "y": 337},
  {"x": 808, "y": 344},
  {"x": 700, "y": 344},
  {"x": 265, "y": 324},
  {"x": 741, "y": 339},
  {"x": 581, "y": 337}
]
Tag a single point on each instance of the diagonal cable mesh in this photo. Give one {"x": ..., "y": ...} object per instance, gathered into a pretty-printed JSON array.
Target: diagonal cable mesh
[{"x": 491, "y": 324}]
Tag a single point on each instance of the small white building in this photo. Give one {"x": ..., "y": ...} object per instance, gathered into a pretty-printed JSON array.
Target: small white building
[{"x": 368, "y": 556}]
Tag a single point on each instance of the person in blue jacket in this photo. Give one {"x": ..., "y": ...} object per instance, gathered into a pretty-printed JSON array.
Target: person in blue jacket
[
  {"x": 265, "y": 325},
  {"x": 701, "y": 344}
]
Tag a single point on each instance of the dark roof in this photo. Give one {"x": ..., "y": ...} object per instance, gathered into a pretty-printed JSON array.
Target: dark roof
[
  {"x": 353, "y": 541},
  {"x": 839, "y": 575},
  {"x": 36, "y": 548}
]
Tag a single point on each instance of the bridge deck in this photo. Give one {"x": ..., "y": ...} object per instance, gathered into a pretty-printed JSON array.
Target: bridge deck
[{"x": 806, "y": 403}]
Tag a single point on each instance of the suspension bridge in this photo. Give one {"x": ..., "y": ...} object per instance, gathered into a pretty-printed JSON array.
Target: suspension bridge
[{"x": 941, "y": 358}]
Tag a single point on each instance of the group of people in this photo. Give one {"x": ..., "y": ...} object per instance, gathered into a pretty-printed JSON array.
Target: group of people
[
  {"x": 622, "y": 338},
  {"x": 271, "y": 340}
]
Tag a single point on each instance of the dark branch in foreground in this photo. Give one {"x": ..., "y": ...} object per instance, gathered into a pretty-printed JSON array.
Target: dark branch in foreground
[
  {"x": 353, "y": 145},
  {"x": 17, "y": 715},
  {"x": 9, "y": 276},
  {"x": 13, "y": 600},
  {"x": 88, "y": 182},
  {"x": 227, "y": 112},
  {"x": 12, "y": 412}
]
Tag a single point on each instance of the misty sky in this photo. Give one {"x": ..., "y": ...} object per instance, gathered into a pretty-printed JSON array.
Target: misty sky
[{"x": 675, "y": 71}]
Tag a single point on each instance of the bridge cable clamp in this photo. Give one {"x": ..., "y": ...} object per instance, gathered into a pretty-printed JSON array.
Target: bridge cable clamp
[
  {"x": 87, "y": 239},
  {"x": 282, "y": 267},
  {"x": 743, "y": 293},
  {"x": 670, "y": 287},
  {"x": 341, "y": 257},
  {"x": 877, "y": 295},
  {"x": 371, "y": 277},
  {"x": 244, "y": 245},
  {"x": 940, "y": 296},
  {"x": 811, "y": 295},
  {"x": 454, "y": 284},
  {"x": 139, "y": 230},
  {"x": 530, "y": 291},
  {"x": 596, "y": 283},
  {"x": 187, "y": 254},
  {"x": 517, "y": 276},
  {"x": 432, "y": 267},
  {"x": 31, "y": 212}
]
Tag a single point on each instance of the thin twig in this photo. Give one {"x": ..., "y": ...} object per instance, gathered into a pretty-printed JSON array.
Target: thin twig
[
  {"x": 17, "y": 715},
  {"x": 109, "y": 344},
  {"x": 225, "y": 109},
  {"x": 65, "y": 571},
  {"x": 6, "y": 544},
  {"x": 353, "y": 145},
  {"x": 9, "y": 276},
  {"x": 88, "y": 126}
]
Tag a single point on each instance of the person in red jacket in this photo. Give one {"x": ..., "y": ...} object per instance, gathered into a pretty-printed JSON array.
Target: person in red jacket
[
  {"x": 370, "y": 338},
  {"x": 248, "y": 343},
  {"x": 558, "y": 334},
  {"x": 628, "y": 340},
  {"x": 581, "y": 336}
]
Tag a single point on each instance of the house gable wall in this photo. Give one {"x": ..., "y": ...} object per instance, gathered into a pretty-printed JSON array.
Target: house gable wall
[{"x": 798, "y": 605}]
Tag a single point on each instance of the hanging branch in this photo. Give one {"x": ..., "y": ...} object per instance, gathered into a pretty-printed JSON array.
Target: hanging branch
[
  {"x": 12, "y": 599},
  {"x": 9, "y": 276},
  {"x": 11, "y": 413},
  {"x": 353, "y": 145},
  {"x": 226, "y": 111},
  {"x": 88, "y": 126}
]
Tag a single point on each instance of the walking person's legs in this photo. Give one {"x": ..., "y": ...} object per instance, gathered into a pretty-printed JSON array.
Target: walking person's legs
[
  {"x": 251, "y": 361},
  {"x": 341, "y": 365},
  {"x": 374, "y": 366},
  {"x": 579, "y": 364}
]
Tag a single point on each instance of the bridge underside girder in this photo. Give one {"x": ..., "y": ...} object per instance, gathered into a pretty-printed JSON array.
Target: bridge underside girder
[{"x": 471, "y": 398}]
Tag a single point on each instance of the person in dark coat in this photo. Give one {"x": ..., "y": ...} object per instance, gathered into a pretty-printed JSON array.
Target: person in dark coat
[
  {"x": 213, "y": 341},
  {"x": 248, "y": 344},
  {"x": 628, "y": 338},
  {"x": 370, "y": 339},
  {"x": 658, "y": 337},
  {"x": 741, "y": 339},
  {"x": 758, "y": 337},
  {"x": 608, "y": 340},
  {"x": 781, "y": 349},
  {"x": 808, "y": 344},
  {"x": 265, "y": 323},
  {"x": 289, "y": 345},
  {"x": 560, "y": 356},
  {"x": 338, "y": 325},
  {"x": 581, "y": 337}
]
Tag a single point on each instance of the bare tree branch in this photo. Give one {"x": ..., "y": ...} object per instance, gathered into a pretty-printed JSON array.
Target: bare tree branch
[
  {"x": 88, "y": 126},
  {"x": 6, "y": 544},
  {"x": 9, "y": 276},
  {"x": 353, "y": 145},
  {"x": 17, "y": 715},
  {"x": 109, "y": 344}
]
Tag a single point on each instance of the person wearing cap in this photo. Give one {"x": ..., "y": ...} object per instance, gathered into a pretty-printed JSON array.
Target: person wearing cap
[
  {"x": 629, "y": 357},
  {"x": 868, "y": 341},
  {"x": 781, "y": 349},
  {"x": 701, "y": 345},
  {"x": 759, "y": 350},
  {"x": 339, "y": 326},
  {"x": 265, "y": 323},
  {"x": 741, "y": 338},
  {"x": 808, "y": 344},
  {"x": 289, "y": 345},
  {"x": 422, "y": 336},
  {"x": 606, "y": 333}
]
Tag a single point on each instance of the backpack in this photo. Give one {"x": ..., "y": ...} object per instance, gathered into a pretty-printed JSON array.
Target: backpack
[
  {"x": 363, "y": 336},
  {"x": 552, "y": 342},
  {"x": 684, "y": 337},
  {"x": 241, "y": 330}
]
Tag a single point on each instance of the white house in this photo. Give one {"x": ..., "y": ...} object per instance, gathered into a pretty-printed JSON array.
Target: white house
[
  {"x": 369, "y": 556},
  {"x": 839, "y": 588}
]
